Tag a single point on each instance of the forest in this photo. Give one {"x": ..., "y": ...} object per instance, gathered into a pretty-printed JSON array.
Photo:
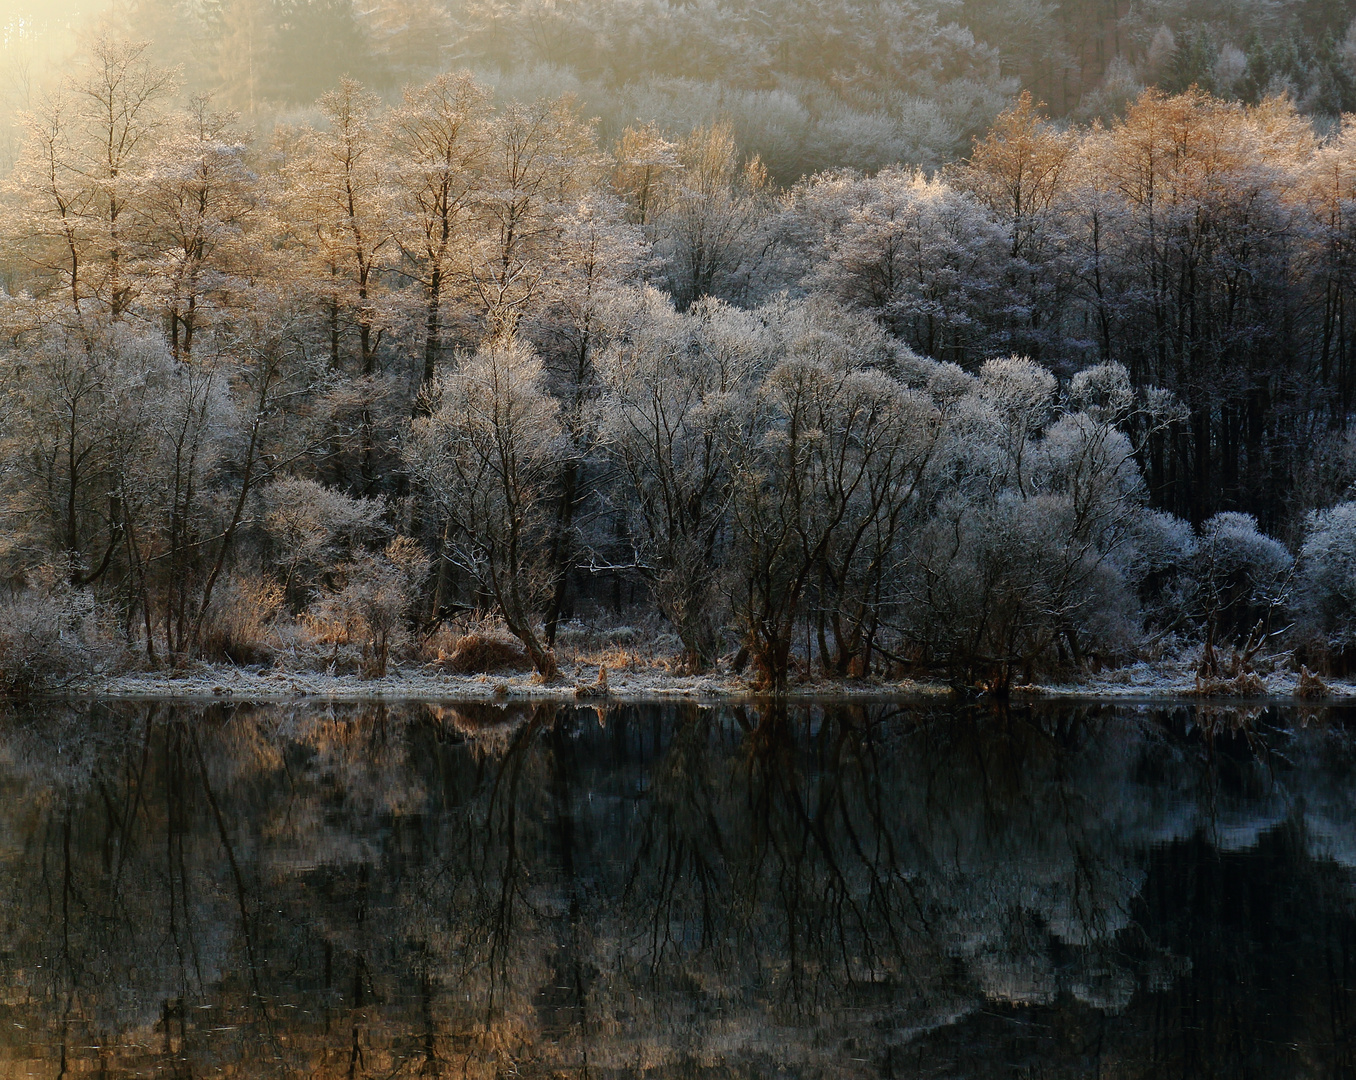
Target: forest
[{"x": 444, "y": 371}]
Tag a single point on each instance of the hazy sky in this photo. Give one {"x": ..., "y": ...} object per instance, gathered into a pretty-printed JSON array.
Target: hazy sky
[
  {"x": 41, "y": 10},
  {"x": 44, "y": 16},
  {"x": 35, "y": 36}
]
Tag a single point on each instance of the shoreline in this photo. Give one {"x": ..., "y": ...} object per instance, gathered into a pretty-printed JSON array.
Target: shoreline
[{"x": 1139, "y": 683}]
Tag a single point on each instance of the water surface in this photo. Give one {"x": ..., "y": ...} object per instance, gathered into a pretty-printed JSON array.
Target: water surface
[{"x": 674, "y": 891}]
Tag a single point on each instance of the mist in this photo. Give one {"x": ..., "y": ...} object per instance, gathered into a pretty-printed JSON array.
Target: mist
[{"x": 805, "y": 84}]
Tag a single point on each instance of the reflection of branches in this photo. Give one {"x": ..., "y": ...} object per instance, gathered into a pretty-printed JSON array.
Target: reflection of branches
[
  {"x": 137, "y": 786},
  {"x": 563, "y": 775},
  {"x": 504, "y": 803},
  {"x": 882, "y": 865},
  {"x": 787, "y": 832},
  {"x": 239, "y": 882},
  {"x": 833, "y": 888},
  {"x": 680, "y": 782},
  {"x": 175, "y": 862},
  {"x": 560, "y": 895}
]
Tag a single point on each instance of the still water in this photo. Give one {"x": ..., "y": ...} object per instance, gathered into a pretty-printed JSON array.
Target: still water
[{"x": 675, "y": 891}]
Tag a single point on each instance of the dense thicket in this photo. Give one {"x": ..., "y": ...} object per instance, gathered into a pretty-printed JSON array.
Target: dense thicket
[{"x": 449, "y": 355}]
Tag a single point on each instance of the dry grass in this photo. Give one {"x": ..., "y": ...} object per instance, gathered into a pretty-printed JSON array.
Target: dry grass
[
  {"x": 625, "y": 660},
  {"x": 241, "y": 623},
  {"x": 1310, "y": 686},
  {"x": 476, "y": 653},
  {"x": 1245, "y": 684},
  {"x": 643, "y": 644}
]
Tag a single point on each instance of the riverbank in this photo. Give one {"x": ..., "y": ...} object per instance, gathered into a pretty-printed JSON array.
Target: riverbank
[
  {"x": 1157, "y": 681},
  {"x": 574, "y": 684}
]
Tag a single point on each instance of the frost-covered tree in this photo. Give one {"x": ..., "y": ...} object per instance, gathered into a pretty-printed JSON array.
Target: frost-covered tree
[
  {"x": 1329, "y": 203},
  {"x": 198, "y": 196},
  {"x": 74, "y": 414},
  {"x": 438, "y": 141},
  {"x": 338, "y": 212},
  {"x": 823, "y": 490},
  {"x": 919, "y": 255},
  {"x": 487, "y": 453},
  {"x": 78, "y": 218},
  {"x": 643, "y": 164},
  {"x": 1326, "y": 591},
  {"x": 597, "y": 254},
  {"x": 338, "y": 207},
  {"x": 677, "y": 395},
  {"x": 1192, "y": 263},
  {"x": 1023, "y": 173},
  {"x": 1037, "y": 544},
  {"x": 540, "y": 159},
  {"x": 707, "y": 231},
  {"x": 170, "y": 495}
]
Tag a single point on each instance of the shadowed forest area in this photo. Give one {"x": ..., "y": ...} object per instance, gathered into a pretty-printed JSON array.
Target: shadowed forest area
[
  {"x": 488, "y": 349},
  {"x": 675, "y": 892}
]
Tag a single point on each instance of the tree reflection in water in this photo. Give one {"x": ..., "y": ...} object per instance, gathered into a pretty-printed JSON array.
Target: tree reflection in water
[{"x": 666, "y": 891}]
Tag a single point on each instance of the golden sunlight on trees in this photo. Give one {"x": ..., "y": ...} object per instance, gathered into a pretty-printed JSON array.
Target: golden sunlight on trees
[
  {"x": 440, "y": 140},
  {"x": 86, "y": 145},
  {"x": 979, "y": 421}
]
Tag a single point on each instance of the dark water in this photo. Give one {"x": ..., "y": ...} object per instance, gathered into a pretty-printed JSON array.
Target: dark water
[{"x": 677, "y": 892}]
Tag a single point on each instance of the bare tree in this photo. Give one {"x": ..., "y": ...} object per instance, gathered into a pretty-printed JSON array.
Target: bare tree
[
  {"x": 78, "y": 174},
  {"x": 678, "y": 390},
  {"x": 199, "y": 198},
  {"x": 439, "y": 143},
  {"x": 840, "y": 447},
  {"x": 488, "y": 453},
  {"x": 541, "y": 157},
  {"x": 711, "y": 205},
  {"x": 340, "y": 215}
]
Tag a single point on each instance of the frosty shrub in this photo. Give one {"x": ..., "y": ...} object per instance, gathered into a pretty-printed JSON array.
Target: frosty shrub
[
  {"x": 1326, "y": 592},
  {"x": 1240, "y": 575},
  {"x": 1239, "y": 579},
  {"x": 372, "y": 604},
  {"x": 239, "y": 621},
  {"x": 312, "y": 527},
  {"x": 1002, "y": 587},
  {"x": 48, "y": 635}
]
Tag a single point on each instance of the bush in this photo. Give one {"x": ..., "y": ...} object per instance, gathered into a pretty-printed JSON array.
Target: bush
[
  {"x": 45, "y": 636},
  {"x": 1326, "y": 593},
  {"x": 373, "y": 603},
  {"x": 240, "y": 621},
  {"x": 477, "y": 653},
  {"x": 1239, "y": 574},
  {"x": 1161, "y": 559},
  {"x": 1005, "y": 583}
]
